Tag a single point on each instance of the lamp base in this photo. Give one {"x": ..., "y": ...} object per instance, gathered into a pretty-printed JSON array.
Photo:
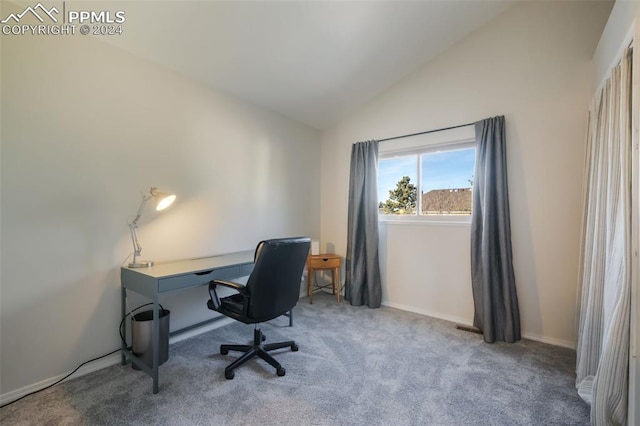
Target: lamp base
[{"x": 141, "y": 264}]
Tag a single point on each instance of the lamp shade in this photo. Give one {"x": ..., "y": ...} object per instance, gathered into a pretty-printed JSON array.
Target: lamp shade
[{"x": 162, "y": 199}]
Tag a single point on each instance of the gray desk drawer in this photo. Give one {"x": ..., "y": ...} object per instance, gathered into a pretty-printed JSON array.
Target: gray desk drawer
[
  {"x": 199, "y": 278},
  {"x": 246, "y": 269}
]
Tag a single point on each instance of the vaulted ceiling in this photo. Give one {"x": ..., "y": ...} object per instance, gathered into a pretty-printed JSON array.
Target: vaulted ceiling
[{"x": 313, "y": 61}]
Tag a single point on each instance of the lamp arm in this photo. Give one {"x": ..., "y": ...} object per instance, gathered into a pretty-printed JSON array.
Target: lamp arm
[
  {"x": 137, "y": 249},
  {"x": 145, "y": 198},
  {"x": 134, "y": 239}
]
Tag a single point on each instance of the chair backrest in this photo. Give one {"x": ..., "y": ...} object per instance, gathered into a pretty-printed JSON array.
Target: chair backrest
[{"x": 274, "y": 284}]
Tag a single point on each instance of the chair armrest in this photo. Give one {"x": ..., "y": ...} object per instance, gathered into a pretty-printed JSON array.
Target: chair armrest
[
  {"x": 236, "y": 286},
  {"x": 213, "y": 294}
]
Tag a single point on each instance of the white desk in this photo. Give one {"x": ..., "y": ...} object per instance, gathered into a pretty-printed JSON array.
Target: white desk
[{"x": 173, "y": 276}]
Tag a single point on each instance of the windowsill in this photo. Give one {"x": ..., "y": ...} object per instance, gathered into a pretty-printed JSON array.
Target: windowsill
[{"x": 464, "y": 221}]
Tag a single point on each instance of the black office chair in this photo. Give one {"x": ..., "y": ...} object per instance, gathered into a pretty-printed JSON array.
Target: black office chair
[{"x": 272, "y": 290}]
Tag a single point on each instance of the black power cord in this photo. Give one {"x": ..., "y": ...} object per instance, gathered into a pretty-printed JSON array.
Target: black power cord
[
  {"x": 120, "y": 330},
  {"x": 65, "y": 377},
  {"x": 121, "y": 327}
]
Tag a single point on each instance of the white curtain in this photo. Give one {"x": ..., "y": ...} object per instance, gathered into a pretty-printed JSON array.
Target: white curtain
[{"x": 604, "y": 313}]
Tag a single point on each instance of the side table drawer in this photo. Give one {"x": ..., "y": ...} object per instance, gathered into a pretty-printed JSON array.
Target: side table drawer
[{"x": 323, "y": 262}]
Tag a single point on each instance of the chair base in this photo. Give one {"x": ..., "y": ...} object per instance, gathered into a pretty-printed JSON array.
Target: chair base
[{"x": 256, "y": 349}]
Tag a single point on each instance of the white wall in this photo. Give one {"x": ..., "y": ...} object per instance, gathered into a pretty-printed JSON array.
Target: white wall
[
  {"x": 85, "y": 128},
  {"x": 623, "y": 25},
  {"x": 614, "y": 35},
  {"x": 531, "y": 64}
]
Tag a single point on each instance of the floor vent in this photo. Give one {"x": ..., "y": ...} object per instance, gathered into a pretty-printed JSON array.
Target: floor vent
[{"x": 467, "y": 328}]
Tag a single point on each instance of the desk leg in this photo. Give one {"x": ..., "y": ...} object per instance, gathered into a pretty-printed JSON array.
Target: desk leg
[
  {"x": 336, "y": 278},
  {"x": 155, "y": 333},
  {"x": 123, "y": 345}
]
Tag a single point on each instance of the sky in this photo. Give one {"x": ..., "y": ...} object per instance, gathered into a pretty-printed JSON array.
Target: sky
[{"x": 440, "y": 170}]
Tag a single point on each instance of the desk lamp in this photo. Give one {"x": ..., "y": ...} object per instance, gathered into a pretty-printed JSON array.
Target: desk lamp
[{"x": 162, "y": 200}]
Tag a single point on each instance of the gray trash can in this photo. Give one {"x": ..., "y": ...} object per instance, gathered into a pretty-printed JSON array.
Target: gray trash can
[{"x": 141, "y": 341}]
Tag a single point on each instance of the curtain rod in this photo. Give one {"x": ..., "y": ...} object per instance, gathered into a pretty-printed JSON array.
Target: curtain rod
[{"x": 428, "y": 131}]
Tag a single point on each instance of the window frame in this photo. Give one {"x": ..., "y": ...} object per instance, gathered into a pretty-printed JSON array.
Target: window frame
[{"x": 418, "y": 151}]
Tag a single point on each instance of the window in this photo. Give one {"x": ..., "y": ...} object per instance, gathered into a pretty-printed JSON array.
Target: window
[{"x": 442, "y": 175}]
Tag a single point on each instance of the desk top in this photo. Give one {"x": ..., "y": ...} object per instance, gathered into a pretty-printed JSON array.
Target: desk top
[{"x": 188, "y": 266}]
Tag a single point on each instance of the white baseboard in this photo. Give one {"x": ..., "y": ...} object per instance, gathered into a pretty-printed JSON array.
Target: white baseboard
[
  {"x": 550, "y": 340},
  {"x": 105, "y": 362},
  {"x": 464, "y": 321},
  {"x": 429, "y": 313}
]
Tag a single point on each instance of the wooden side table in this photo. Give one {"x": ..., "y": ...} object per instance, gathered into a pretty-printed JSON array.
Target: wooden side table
[{"x": 319, "y": 262}]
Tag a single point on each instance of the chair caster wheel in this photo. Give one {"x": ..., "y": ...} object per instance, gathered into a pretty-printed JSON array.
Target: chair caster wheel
[
  {"x": 294, "y": 348},
  {"x": 223, "y": 352},
  {"x": 229, "y": 375},
  {"x": 280, "y": 371},
  {"x": 263, "y": 337}
]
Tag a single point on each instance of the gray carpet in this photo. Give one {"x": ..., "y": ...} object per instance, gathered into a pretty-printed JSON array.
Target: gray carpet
[{"x": 355, "y": 366}]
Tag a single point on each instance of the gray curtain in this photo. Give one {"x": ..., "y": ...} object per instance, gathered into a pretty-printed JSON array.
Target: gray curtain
[
  {"x": 362, "y": 277},
  {"x": 492, "y": 278}
]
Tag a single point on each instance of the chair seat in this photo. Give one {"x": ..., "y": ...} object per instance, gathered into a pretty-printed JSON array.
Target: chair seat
[
  {"x": 232, "y": 304},
  {"x": 231, "y": 307}
]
